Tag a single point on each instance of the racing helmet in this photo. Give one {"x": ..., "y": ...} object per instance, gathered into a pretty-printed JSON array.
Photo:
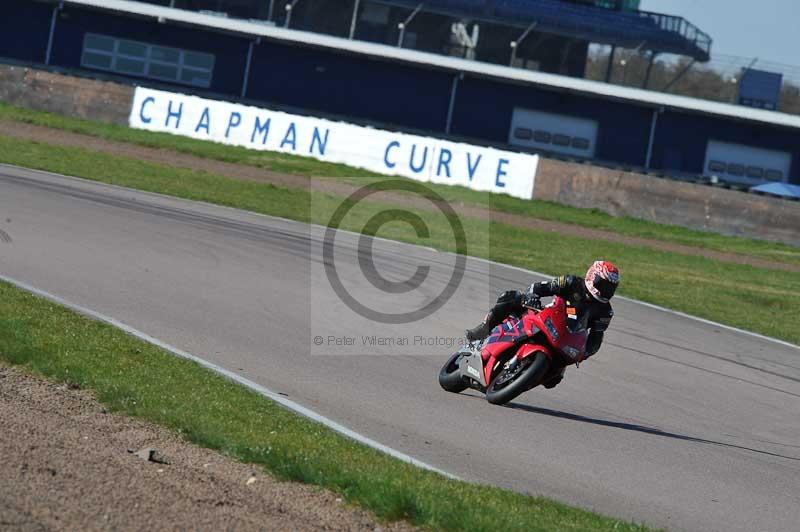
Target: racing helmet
[{"x": 602, "y": 280}]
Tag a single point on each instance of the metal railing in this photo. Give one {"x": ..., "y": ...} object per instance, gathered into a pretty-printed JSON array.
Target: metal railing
[
  {"x": 664, "y": 33},
  {"x": 653, "y": 31},
  {"x": 680, "y": 26}
]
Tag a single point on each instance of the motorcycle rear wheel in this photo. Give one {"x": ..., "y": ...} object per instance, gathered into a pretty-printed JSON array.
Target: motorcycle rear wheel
[
  {"x": 450, "y": 377},
  {"x": 507, "y": 385}
]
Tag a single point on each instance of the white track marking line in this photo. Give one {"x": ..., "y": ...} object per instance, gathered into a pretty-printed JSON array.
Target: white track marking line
[
  {"x": 662, "y": 309},
  {"x": 283, "y": 401}
]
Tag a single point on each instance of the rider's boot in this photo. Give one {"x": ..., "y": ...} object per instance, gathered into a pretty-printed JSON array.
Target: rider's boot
[
  {"x": 505, "y": 305},
  {"x": 482, "y": 330},
  {"x": 478, "y": 332}
]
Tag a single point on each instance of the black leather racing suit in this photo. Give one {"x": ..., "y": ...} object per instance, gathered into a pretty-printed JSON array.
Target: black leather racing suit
[{"x": 590, "y": 313}]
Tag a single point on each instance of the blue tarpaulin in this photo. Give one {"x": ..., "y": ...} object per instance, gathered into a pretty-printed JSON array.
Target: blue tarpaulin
[{"x": 778, "y": 189}]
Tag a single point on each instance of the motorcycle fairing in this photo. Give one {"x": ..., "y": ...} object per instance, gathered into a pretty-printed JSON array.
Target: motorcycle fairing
[
  {"x": 511, "y": 333},
  {"x": 519, "y": 331},
  {"x": 471, "y": 365},
  {"x": 528, "y": 349},
  {"x": 554, "y": 318}
]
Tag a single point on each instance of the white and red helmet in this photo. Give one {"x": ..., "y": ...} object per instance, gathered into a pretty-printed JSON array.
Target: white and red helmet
[{"x": 602, "y": 280}]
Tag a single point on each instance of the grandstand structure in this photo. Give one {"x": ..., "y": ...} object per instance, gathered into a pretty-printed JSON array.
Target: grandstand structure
[
  {"x": 271, "y": 62},
  {"x": 545, "y": 35}
]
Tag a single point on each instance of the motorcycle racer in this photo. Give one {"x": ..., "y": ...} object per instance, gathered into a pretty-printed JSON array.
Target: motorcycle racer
[{"x": 587, "y": 301}]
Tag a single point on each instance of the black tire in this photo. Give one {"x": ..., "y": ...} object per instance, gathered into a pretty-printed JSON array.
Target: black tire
[
  {"x": 449, "y": 376},
  {"x": 505, "y": 387}
]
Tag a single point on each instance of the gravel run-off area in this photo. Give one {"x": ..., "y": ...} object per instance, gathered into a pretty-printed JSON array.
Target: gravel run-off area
[{"x": 66, "y": 463}]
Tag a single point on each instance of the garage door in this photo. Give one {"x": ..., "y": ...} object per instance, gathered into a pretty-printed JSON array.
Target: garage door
[
  {"x": 553, "y": 132},
  {"x": 739, "y": 163}
]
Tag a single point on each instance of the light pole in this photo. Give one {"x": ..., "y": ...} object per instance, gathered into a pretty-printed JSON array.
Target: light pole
[
  {"x": 246, "y": 78},
  {"x": 402, "y": 25},
  {"x": 289, "y": 8},
  {"x": 610, "y": 65},
  {"x": 354, "y": 19},
  {"x": 734, "y": 80},
  {"x": 653, "y": 55},
  {"x": 515, "y": 44},
  {"x": 56, "y": 9}
]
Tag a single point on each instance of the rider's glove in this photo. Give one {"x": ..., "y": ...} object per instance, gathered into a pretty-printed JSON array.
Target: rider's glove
[{"x": 531, "y": 299}]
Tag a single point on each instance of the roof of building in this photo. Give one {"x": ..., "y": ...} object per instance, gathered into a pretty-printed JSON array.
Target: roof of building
[
  {"x": 553, "y": 81},
  {"x": 629, "y": 29}
]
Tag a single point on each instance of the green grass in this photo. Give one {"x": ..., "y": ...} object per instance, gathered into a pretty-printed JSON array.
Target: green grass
[
  {"x": 692, "y": 284},
  {"x": 273, "y": 161},
  {"x": 304, "y": 166},
  {"x": 138, "y": 379}
]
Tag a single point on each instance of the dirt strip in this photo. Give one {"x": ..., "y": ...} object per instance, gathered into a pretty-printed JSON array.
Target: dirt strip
[
  {"x": 250, "y": 173},
  {"x": 66, "y": 465}
]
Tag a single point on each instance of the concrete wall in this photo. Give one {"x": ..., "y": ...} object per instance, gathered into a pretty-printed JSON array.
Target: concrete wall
[
  {"x": 68, "y": 95},
  {"x": 671, "y": 202},
  {"x": 580, "y": 185}
]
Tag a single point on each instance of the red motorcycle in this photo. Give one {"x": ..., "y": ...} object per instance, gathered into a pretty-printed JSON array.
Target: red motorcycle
[{"x": 519, "y": 354}]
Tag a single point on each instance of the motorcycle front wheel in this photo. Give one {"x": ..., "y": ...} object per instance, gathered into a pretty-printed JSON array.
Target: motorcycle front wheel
[
  {"x": 450, "y": 377},
  {"x": 509, "y": 383}
]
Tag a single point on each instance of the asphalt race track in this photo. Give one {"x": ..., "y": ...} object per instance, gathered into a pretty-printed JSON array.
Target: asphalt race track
[{"x": 676, "y": 423}]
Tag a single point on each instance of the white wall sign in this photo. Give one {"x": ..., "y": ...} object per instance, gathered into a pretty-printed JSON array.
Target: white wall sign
[{"x": 385, "y": 152}]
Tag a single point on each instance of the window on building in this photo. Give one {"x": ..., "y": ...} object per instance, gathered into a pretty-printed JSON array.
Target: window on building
[
  {"x": 735, "y": 169},
  {"x": 717, "y": 166},
  {"x": 561, "y": 140},
  {"x": 755, "y": 172},
  {"x": 580, "y": 143},
  {"x": 147, "y": 60},
  {"x": 523, "y": 133},
  {"x": 774, "y": 175},
  {"x": 542, "y": 136}
]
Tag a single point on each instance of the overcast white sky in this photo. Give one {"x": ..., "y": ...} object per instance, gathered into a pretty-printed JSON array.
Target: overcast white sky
[{"x": 767, "y": 29}]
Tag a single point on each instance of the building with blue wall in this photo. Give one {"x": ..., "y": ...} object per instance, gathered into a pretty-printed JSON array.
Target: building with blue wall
[{"x": 402, "y": 89}]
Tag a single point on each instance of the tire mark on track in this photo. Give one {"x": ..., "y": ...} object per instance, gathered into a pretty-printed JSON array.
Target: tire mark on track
[
  {"x": 719, "y": 373},
  {"x": 716, "y": 357}
]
